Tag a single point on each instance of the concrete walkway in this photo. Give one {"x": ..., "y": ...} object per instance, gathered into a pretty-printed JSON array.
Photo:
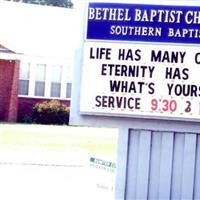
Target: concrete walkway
[{"x": 52, "y": 175}]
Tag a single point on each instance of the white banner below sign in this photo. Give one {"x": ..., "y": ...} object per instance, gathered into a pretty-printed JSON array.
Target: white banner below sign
[{"x": 141, "y": 79}]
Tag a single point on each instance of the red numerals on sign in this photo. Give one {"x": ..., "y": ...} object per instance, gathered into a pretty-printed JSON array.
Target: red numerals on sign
[
  {"x": 163, "y": 105},
  {"x": 154, "y": 104}
]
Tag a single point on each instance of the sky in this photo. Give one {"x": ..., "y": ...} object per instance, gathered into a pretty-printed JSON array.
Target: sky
[{"x": 40, "y": 30}]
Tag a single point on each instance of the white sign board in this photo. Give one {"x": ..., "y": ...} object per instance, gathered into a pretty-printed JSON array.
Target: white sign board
[{"x": 136, "y": 78}]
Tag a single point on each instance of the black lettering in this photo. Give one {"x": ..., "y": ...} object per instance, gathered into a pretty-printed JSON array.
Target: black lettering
[
  {"x": 138, "y": 56},
  {"x": 121, "y": 54},
  {"x": 141, "y": 84},
  {"x": 117, "y": 102},
  {"x": 124, "y": 86},
  {"x": 155, "y": 57},
  {"x": 197, "y": 58},
  {"x": 132, "y": 88},
  {"x": 91, "y": 54},
  {"x": 104, "y": 101},
  {"x": 174, "y": 57},
  {"x": 137, "y": 103},
  {"x": 103, "y": 70},
  {"x": 118, "y": 70},
  {"x": 176, "y": 73},
  {"x": 124, "y": 70},
  {"x": 199, "y": 90},
  {"x": 127, "y": 70},
  {"x": 151, "y": 88},
  {"x": 168, "y": 73},
  {"x": 111, "y": 66},
  {"x": 129, "y": 54},
  {"x": 178, "y": 90},
  {"x": 100, "y": 53},
  {"x": 115, "y": 86},
  {"x": 143, "y": 69},
  {"x": 98, "y": 100},
  {"x": 185, "y": 73},
  {"x": 188, "y": 108},
  {"x": 129, "y": 103},
  {"x": 165, "y": 56},
  {"x": 184, "y": 90},
  {"x": 108, "y": 54},
  {"x": 111, "y": 102},
  {"x": 194, "y": 90},
  {"x": 170, "y": 86},
  {"x": 182, "y": 55},
  {"x": 133, "y": 71}
]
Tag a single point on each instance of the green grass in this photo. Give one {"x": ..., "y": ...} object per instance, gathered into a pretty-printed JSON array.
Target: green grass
[{"x": 97, "y": 140}]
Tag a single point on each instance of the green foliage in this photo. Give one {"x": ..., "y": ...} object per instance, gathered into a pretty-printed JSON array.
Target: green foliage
[
  {"x": 58, "y": 3},
  {"x": 27, "y": 119},
  {"x": 52, "y": 112}
]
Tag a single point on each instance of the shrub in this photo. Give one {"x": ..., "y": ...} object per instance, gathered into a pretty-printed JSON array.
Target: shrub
[
  {"x": 52, "y": 112},
  {"x": 27, "y": 119}
]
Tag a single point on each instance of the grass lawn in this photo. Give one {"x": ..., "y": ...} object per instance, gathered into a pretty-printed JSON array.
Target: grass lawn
[{"x": 97, "y": 140}]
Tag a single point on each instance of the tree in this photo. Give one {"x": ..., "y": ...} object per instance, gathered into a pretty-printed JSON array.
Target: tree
[{"x": 58, "y": 3}]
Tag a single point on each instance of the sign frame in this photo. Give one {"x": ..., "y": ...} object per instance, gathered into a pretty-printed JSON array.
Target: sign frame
[{"x": 187, "y": 118}]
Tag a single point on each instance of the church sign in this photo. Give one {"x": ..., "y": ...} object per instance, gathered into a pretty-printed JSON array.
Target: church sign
[{"x": 141, "y": 60}]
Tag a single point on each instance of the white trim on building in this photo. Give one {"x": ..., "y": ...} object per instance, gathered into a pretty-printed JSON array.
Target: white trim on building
[{"x": 28, "y": 78}]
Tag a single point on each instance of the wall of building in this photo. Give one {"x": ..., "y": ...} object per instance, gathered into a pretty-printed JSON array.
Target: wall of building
[
  {"x": 9, "y": 75},
  {"x": 55, "y": 72},
  {"x": 163, "y": 165}
]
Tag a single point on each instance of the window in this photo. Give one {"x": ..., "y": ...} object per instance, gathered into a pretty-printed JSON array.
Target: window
[
  {"x": 44, "y": 80},
  {"x": 24, "y": 76},
  {"x": 40, "y": 80},
  {"x": 56, "y": 80},
  {"x": 68, "y": 90}
]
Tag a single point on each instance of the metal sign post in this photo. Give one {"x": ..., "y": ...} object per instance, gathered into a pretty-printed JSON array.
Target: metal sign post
[{"x": 140, "y": 66}]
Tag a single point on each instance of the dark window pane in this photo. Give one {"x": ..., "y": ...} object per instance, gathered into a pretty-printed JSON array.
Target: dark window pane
[
  {"x": 39, "y": 88},
  {"x": 55, "y": 89},
  {"x": 23, "y": 87},
  {"x": 68, "y": 91}
]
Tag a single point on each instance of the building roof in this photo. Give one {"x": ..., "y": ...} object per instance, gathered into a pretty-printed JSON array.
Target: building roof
[
  {"x": 8, "y": 54},
  {"x": 38, "y": 30},
  {"x": 5, "y": 50}
]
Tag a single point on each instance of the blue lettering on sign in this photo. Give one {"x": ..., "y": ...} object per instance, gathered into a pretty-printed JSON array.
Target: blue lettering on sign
[{"x": 139, "y": 22}]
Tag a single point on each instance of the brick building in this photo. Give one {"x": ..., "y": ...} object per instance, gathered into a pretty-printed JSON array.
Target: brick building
[
  {"x": 9, "y": 75},
  {"x": 26, "y": 80},
  {"x": 36, "y": 59}
]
